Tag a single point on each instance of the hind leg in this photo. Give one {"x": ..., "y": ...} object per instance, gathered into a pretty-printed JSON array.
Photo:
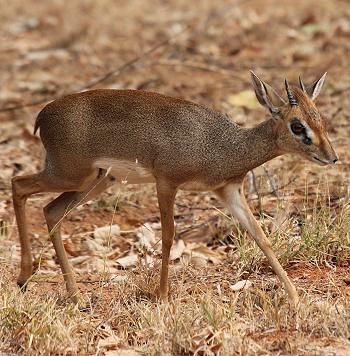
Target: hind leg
[
  {"x": 22, "y": 188},
  {"x": 55, "y": 213}
]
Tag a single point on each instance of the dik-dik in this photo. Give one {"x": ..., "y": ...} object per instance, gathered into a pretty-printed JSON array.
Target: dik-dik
[{"x": 97, "y": 138}]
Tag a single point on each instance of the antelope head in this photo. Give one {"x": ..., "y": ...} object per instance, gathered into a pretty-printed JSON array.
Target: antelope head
[{"x": 300, "y": 127}]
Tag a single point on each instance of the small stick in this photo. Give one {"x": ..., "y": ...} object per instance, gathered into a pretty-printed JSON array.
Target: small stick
[{"x": 271, "y": 182}]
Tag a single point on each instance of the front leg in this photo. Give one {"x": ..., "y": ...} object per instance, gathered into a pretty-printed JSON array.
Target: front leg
[
  {"x": 232, "y": 195},
  {"x": 166, "y": 195}
]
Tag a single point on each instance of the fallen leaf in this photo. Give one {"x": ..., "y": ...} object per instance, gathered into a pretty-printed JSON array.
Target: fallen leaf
[
  {"x": 118, "y": 278},
  {"x": 128, "y": 261},
  {"x": 149, "y": 260},
  {"x": 243, "y": 284},
  {"x": 177, "y": 250},
  {"x": 70, "y": 248},
  {"x": 45, "y": 54},
  {"x": 214, "y": 256},
  {"x": 245, "y": 98},
  {"x": 107, "y": 231},
  {"x": 94, "y": 246},
  {"x": 147, "y": 238},
  {"x": 198, "y": 261},
  {"x": 80, "y": 259},
  {"x": 318, "y": 27},
  {"x": 203, "y": 233}
]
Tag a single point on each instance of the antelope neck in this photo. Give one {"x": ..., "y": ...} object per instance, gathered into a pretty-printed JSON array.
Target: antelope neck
[{"x": 261, "y": 144}]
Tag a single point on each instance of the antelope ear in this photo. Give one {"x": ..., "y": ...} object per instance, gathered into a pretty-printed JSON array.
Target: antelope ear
[
  {"x": 267, "y": 96},
  {"x": 314, "y": 89}
]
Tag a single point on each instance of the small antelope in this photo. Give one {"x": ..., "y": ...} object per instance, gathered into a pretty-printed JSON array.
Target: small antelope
[{"x": 97, "y": 138}]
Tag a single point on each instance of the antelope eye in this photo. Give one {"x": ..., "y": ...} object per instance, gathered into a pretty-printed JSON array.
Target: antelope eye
[{"x": 297, "y": 128}]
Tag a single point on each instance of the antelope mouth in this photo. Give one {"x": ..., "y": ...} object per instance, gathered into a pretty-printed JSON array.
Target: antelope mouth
[{"x": 319, "y": 161}]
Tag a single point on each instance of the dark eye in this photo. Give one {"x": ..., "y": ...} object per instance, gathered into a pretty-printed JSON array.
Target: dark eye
[{"x": 297, "y": 127}]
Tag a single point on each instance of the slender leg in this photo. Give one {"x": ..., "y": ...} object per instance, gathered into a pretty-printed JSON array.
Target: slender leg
[
  {"x": 166, "y": 196},
  {"x": 55, "y": 213},
  {"x": 232, "y": 195},
  {"x": 22, "y": 188}
]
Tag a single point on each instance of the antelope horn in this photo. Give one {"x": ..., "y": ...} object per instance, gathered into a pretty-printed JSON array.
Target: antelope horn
[
  {"x": 291, "y": 98},
  {"x": 302, "y": 85}
]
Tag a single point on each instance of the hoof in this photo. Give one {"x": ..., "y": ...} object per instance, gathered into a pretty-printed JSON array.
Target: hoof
[
  {"x": 295, "y": 303},
  {"x": 164, "y": 297},
  {"x": 76, "y": 298},
  {"x": 22, "y": 286}
]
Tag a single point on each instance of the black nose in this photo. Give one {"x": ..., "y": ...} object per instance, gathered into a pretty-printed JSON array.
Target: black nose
[{"x": 335, "y": 160}]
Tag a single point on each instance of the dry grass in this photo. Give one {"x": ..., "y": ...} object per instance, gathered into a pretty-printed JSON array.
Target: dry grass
[
  {"x": 204, "y": 316},
  {"x": 199, "y": 320}
]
